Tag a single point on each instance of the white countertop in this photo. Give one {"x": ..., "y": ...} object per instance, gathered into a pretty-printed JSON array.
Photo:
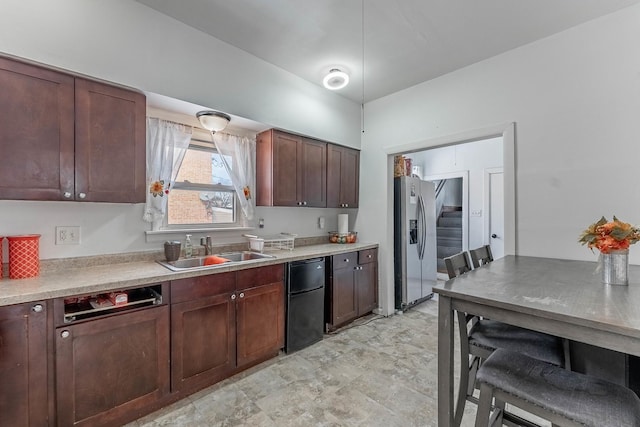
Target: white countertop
[{"x": 108, "y": 277}]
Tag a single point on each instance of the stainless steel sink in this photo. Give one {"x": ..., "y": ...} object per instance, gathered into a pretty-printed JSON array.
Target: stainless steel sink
[{"x": 199, "y": 262}]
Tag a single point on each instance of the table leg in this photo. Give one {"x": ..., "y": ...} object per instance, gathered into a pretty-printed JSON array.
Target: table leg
[{"x": 445, "y": 362}]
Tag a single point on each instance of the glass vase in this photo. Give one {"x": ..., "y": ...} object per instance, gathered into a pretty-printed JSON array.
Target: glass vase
[{"x": 615, "y": 267}]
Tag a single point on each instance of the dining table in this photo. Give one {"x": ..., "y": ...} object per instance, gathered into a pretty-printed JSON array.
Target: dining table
[{"x": 565, "y": 298}]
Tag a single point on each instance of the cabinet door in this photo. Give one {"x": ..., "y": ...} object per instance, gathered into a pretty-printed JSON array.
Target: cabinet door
[
  {"x": 344, "y": 297},
  {"x": 23, "y": 365},
  {"x": 287, "y": 189},
  {"x": 110, "y": 143},
  {"x": 367, "y": 280},
  {"x": 313, "y": 173},
  {"x": 343, "y": 171},
  {"x": 36, "y": 132},
  {"x": 260, "y": 317},
  {"x": 203, "y": 343},
  {"x": 109, "y": 370}
]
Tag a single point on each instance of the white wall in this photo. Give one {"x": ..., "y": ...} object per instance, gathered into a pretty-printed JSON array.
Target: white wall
[
  {"x": 575, "y": 99},
  {"x": 128, "y": 43}
]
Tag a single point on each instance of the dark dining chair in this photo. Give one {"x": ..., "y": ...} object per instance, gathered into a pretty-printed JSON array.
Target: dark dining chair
[
  {"x": 457, "y": 264},
  {"x": 481, "y": 256},
  {"x": 563, "y": 397},
  {"x": 481, "y": 337}
]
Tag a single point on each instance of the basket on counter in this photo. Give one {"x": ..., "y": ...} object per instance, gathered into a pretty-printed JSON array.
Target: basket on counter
[
  {"x": 283, "y": 241},
  {"x": 349, "y": 237}
]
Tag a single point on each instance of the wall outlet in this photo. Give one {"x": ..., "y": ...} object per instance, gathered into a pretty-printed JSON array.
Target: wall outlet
[
  {"x": 68, "y": 235},
  {"x": 477, "y": 212},
  {"x": 321, "y": 222}
]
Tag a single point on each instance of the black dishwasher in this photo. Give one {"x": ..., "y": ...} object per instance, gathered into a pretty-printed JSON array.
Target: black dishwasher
[{"x": 305, "y": 303}]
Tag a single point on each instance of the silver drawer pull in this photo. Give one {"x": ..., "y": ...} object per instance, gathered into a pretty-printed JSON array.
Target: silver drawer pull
[
  {"x": 233, "y": 296},
  {"x": 65, "y": 334},
  {"x": 37, "y": 308}
]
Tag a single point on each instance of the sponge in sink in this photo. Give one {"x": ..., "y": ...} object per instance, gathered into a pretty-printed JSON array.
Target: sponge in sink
[{"x": 212, "y": 259}]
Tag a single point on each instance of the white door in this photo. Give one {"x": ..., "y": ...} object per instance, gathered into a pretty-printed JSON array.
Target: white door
[{"x": 496, "y": 214}]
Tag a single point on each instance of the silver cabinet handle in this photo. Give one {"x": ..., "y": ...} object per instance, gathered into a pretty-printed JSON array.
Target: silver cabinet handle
[
  {"x": 233, "y": 296},
  {"x": 241, "y": 294},
  {"x": 82, "y": 195},
  {"x": 67, "y": 195},
  {"x": 369, "y": 256},
  {"x": 346, "y": 205},
  {"x": 65, "y": 334},
  {"x": 346, "y": 260},
  {"x": 304, "y": 203},
  {"x": 37, "y": 308}
]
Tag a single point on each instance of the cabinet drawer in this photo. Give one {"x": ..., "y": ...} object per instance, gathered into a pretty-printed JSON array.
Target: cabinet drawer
[
  {"x": 252, "y": 277},
  {"x": 366, "y": 256},
  {"x": 349, "y": 259},
  {"x": 202, "y": 286}
]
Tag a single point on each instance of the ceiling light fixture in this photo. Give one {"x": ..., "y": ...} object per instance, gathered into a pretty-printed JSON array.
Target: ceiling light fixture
[
  {"x": 212, "y": 120},
  {"x": 336, "y": 79}
]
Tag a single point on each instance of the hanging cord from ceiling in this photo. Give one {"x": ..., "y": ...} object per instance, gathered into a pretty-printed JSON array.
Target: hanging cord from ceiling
[{"x": 362, "y": 102}]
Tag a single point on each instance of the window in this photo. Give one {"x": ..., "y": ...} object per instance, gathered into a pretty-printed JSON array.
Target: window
[{"x": 203, "y": 195}]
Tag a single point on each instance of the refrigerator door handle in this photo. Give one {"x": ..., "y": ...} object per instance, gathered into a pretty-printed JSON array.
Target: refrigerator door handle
[
  {"x": 423, "y": 214},
  {"x": 421, "y": 227}
]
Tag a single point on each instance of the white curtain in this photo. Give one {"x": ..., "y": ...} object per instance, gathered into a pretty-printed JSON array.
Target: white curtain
[
  {"x": 167, "y": 144},
  {"x": 242, "y": 172}
]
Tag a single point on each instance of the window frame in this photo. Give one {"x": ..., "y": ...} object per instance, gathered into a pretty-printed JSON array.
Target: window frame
[{"x": 239, "y": 218}]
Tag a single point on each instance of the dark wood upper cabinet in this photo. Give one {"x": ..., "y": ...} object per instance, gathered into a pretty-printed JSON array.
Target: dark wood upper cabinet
[
  {"x": 63, "y": 137},
  {"x": 23, "y": 365},
  {"x": 290, "y": 170},
  {"x": 36, "y": 132},
  {"x": 343, "y": 171},
  {"x": 110, "y": 143}
]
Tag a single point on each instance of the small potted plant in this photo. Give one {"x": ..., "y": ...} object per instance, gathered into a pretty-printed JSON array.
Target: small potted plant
[{"x": 612, "y": 239}]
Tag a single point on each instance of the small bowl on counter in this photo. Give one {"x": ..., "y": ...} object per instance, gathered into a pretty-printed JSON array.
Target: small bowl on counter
[{"x": 350, "y": 237}]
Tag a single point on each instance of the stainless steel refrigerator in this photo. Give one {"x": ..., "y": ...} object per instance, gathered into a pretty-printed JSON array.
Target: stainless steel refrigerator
[{"x": 415, "y": 260}]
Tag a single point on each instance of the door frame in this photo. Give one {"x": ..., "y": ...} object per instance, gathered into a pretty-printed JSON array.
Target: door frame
[
  {"x": 465, "y": 200},
  {"x": 487, "y": 204},
  {"x": 507, "y": 131}
]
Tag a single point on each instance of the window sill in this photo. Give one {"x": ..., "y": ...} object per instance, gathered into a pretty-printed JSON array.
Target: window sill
[{"x": 160, "y": 235}]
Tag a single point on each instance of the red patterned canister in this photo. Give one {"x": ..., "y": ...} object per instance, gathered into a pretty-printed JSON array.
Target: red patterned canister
[{"x": 24, "y": 256}]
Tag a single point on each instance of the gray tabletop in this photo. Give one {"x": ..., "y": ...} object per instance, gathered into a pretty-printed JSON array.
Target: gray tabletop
[{"x": 561, "y": 297}]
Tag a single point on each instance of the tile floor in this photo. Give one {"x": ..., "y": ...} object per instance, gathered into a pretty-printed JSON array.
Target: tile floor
[{"x": 380, "y": 372}]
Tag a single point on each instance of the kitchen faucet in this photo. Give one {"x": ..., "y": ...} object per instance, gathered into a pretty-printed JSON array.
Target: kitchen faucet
[{"x": 206, "y": 243}]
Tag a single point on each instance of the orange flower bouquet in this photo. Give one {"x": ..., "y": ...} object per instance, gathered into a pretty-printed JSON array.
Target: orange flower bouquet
[{"x": 610, "y": 236}]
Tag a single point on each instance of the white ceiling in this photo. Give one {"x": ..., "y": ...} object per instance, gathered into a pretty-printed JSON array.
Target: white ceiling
[{"x": 406, "y": 42}]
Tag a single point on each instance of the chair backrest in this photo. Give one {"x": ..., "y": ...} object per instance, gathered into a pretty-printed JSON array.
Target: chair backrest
[
  {"x": 457, "y": 264},
  {"x": 481, "y": 256}
]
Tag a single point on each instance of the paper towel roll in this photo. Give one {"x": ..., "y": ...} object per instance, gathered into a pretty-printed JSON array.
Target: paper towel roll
[{"x": 343, "y": 223}]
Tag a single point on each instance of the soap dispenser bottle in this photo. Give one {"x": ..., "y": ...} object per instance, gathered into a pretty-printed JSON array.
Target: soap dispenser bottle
[{"x": 188, "y": 247}]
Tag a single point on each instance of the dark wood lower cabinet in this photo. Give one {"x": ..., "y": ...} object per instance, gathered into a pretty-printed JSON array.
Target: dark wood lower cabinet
[
  {"x": 23, "y": 365},
  {"x": 203, "y": 331},
  {"x": 260, "y": 321},
  {"x": 353, "y": 287},
  {"x": 110, "y": 368},
  {"x": 223, "y": 323}
]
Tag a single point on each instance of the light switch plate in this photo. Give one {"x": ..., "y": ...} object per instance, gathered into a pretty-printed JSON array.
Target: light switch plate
[{"x": 68, "y": 235}]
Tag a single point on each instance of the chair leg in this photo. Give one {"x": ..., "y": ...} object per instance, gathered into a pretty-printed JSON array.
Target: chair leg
[
  {"x": 473, "y": 370},
  {"x": 465, "y": 379},
  {"x": 464, "y": 370},
  {"x": 484, "y": 406}
]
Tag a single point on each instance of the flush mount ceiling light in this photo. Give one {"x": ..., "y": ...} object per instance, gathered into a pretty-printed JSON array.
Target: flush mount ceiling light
[
  {"x": 212, "y": 120},
  {"x": 336, "y": 79}
]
